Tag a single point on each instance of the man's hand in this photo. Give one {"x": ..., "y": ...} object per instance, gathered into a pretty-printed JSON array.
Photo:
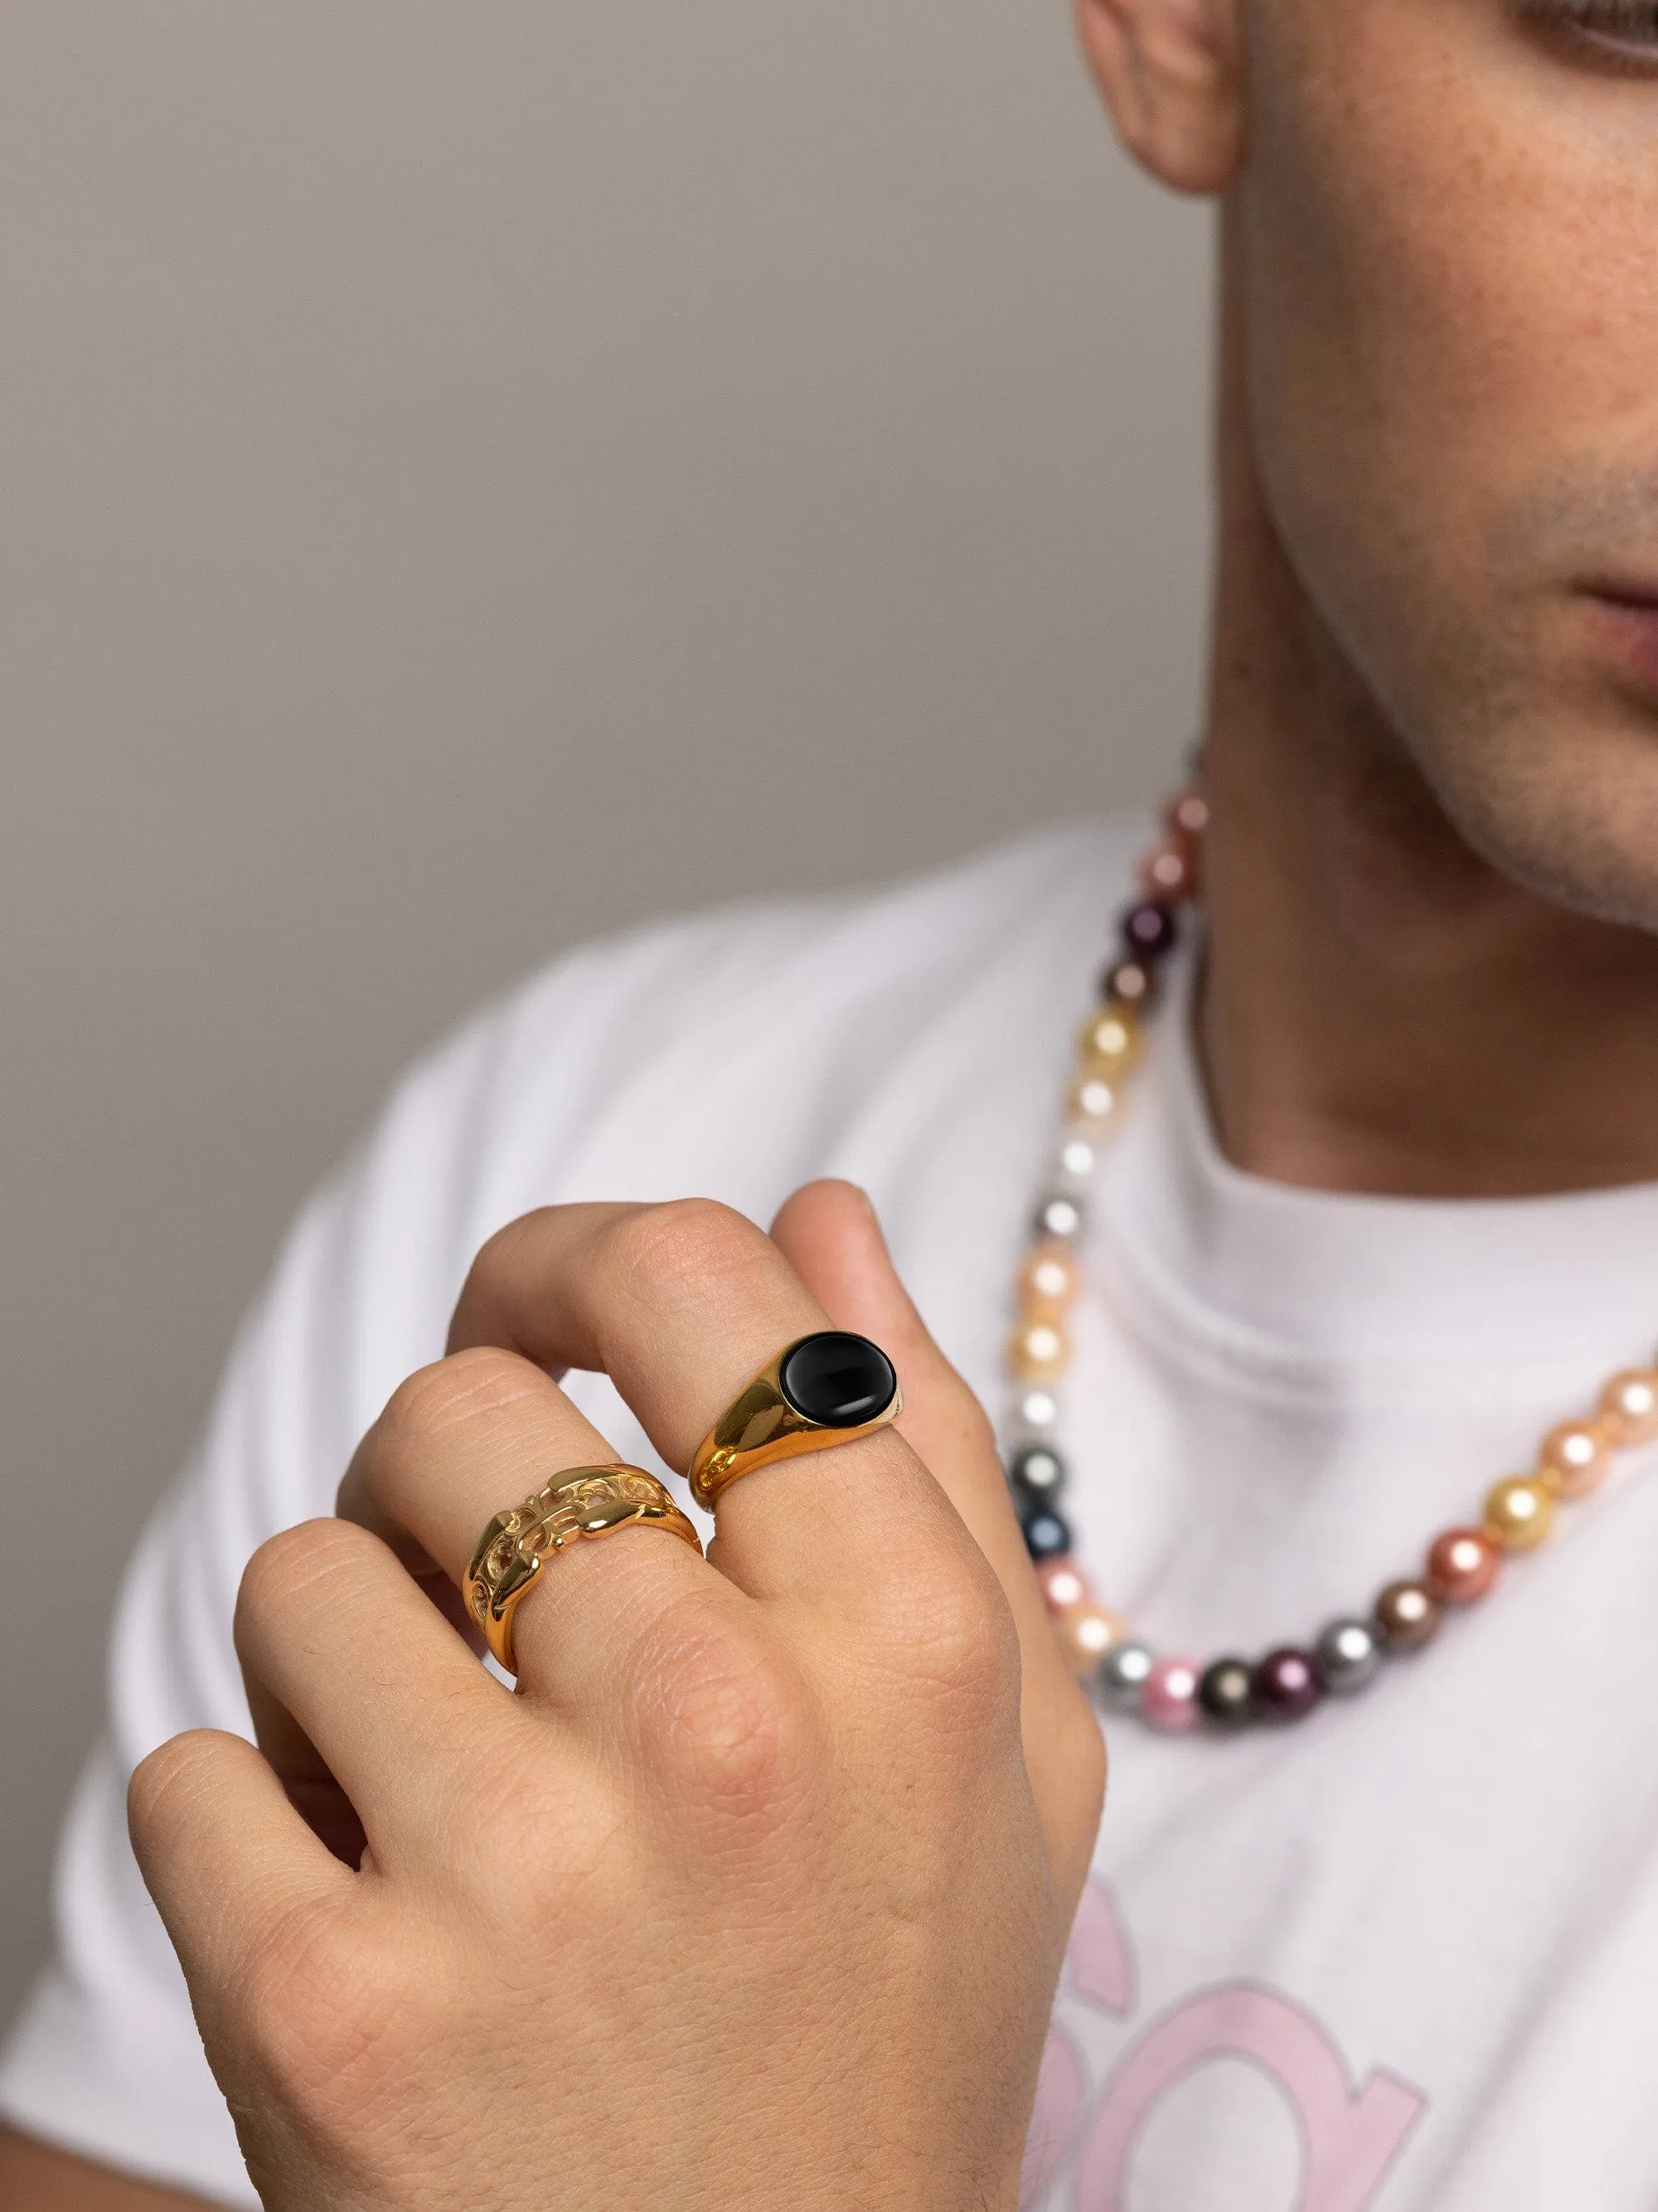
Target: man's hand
[
  {"x": 35, "y": 2177},
  {"x": 754, "y": 1893}
]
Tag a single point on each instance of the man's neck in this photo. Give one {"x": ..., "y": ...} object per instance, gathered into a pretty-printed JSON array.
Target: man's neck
[{"x": 1380, "y": 1010}]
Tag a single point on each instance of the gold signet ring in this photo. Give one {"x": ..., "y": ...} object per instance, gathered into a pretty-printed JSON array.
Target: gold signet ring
[
  {"x": 830, "y": 1388},
  {"x": 585, "y": 1501}
]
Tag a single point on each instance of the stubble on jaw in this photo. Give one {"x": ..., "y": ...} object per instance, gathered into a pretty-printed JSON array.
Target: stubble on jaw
[{"x": 1545, "y": 757}]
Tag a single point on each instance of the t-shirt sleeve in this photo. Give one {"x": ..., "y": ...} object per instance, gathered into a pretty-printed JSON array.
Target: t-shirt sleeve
[
  {"x": 105, "y": 2060},
  {"x": 731, "y": 1055},
  {"x": 554, "y": 1093}
]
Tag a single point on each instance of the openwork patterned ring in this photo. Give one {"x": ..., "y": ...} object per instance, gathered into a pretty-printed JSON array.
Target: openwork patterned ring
[{"x": 583, "y": 1502}]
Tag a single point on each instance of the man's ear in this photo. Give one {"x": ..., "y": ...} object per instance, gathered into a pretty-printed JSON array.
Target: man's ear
[{"x": 1172, "y": 73}]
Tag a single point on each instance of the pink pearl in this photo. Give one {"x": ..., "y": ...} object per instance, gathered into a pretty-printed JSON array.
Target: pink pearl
[
  {"x": 1063, "y": 1584},
  {"x": 1186, "y": 814},
  {"x": 1169, "y": 870},
  {"x": 1169, "y": 1697}
]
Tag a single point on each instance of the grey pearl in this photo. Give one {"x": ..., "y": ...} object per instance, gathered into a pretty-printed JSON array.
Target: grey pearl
[
  {"x": 1122, "y": 1674},
  {"x": 1348, "y": 1655},
  {"x": 1059, "y": 1214}
]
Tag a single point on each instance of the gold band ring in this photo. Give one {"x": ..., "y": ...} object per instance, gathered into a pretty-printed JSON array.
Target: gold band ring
[
  {"x": 829, "y": 1389},
  {"x": 585, "y": 1501}
]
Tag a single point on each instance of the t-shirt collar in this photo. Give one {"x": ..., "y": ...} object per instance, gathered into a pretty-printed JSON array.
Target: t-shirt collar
[{"x": 1330, "y": 1273}]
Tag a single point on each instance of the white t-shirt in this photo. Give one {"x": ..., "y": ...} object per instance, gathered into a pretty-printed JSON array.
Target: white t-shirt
[{"x": 1401, "y": 1955}]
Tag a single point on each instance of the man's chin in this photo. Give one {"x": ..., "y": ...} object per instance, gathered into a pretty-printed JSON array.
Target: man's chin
[{"x": 1566, "y": 807}]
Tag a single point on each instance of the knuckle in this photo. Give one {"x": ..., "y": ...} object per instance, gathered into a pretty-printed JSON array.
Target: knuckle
[
  {"x": 945, "y": 1618},
  {"x": 540, "y": 1856},
  {"x": 728, "y": 1720},
  {"x": 166, "y": 1785},
  {"x": 499, "y": 1260},
  {"x": 975, "y": 1432},
  {"x": 1083, "y": 1761},
  {"x": 288, "y": 1568},
  {"x": 435, "y": 1401},
  {"x": 332, "y": 2016},
  {"x": 685, "y": 1244},
  {"x": 1076, "y": 1788}
]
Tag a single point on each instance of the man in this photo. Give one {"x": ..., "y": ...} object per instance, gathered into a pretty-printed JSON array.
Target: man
[{"x": 1380, "y": 1217}]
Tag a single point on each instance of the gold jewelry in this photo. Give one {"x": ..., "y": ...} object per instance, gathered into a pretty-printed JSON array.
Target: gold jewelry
[
  {"x": 829, "y": 1388},
  {"x": 585, "y": 1501}
]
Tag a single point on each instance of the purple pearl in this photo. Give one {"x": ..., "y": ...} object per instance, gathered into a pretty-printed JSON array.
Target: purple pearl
[
  {"x": 1286, "y": 1685},
  {"x": 1149, "y": 930}
]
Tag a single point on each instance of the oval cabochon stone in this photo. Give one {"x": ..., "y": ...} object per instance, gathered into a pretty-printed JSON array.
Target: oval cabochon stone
[{"x": 839, "y": 1380}]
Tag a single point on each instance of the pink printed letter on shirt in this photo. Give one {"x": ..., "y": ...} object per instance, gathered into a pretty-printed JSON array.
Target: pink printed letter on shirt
[{"x": 1350, "y": 2138}]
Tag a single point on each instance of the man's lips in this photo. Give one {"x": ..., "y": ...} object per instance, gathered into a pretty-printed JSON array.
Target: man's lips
[{"x": 1629, "y": 615}]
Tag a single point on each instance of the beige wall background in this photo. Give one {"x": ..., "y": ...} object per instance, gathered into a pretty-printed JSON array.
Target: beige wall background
[{"x": 476, "y": 471}]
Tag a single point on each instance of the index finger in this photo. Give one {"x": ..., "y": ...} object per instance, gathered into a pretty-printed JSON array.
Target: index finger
[{"x": 680, "y": 1304}]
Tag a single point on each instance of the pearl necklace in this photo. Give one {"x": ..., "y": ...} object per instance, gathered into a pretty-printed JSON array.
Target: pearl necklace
[{"x": 1462, "y": 1564}]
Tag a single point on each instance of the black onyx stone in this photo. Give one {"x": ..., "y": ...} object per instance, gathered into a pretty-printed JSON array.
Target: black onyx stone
[
  {"x": 1046, "y": 1534},
  {"x": 838, "y": 1380},
  {"x": 1037, "y": 1471},
  {"x": 1227, "y": 1693},
  {"x": 1148, "y": 929}
]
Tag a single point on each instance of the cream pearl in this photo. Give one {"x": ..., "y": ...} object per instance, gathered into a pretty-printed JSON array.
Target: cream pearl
[
  {"x": 1038, "y": 1351},
  {"x": 1086, "y": 1633},
  {"x": 1049, "y": 1280},
  {"x": 1628, "y": 1406},
  {"x": 1093, "y": 1099},
  {"x": 1574, "y": 1458}
]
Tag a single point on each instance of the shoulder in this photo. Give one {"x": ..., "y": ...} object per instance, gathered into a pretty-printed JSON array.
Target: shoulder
[
  {"x": 731, "y": 1054},
  {"x": 839, "y": 956},
  {"x": 681, "y": 1015}
]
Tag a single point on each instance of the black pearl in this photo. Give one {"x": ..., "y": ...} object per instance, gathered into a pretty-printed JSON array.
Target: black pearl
[
  {"x": 1046, "y": 1534},
  {"x": 1226, "y": 1693},
  {"x": 837, "y": 1380},
  {"x": 1149, "y": 930},
  {"x": 1037, "y": 1472}
]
